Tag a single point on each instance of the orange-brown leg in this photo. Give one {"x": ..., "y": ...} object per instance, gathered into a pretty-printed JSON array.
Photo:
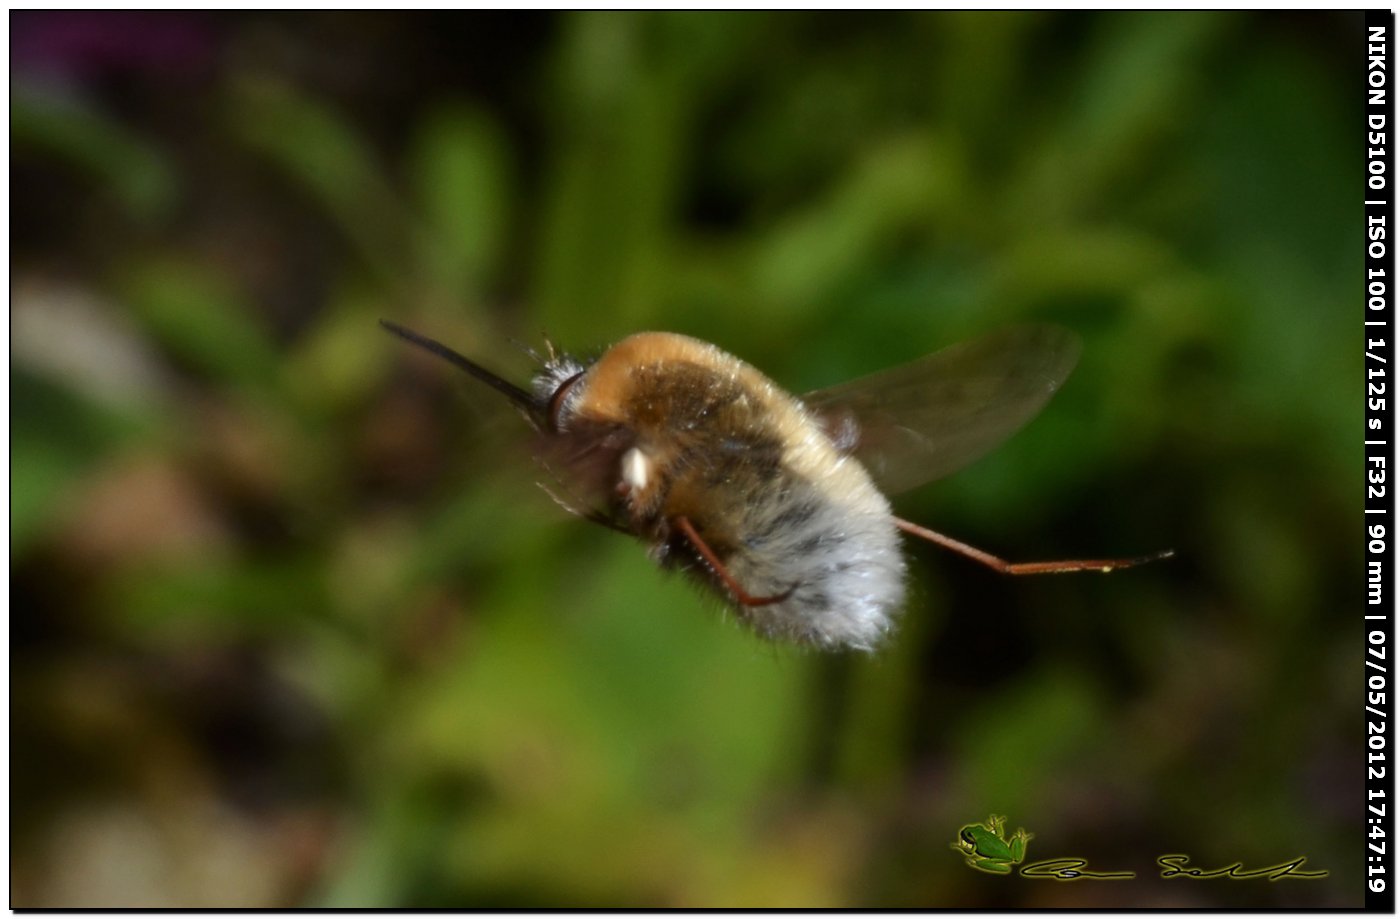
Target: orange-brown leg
[
  {"x": 1005, "y": 567},
  {"x": 742, "y": 596}
]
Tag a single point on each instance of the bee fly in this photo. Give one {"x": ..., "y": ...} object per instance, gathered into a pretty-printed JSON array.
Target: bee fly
[{"x": 772, "y": 500}]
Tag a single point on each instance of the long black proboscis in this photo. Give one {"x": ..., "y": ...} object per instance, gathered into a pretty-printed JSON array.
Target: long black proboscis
[{"x": 515, "y": 394}]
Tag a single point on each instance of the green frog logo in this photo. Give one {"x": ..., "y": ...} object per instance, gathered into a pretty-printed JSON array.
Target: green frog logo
[{"x": 986, "y": 848}]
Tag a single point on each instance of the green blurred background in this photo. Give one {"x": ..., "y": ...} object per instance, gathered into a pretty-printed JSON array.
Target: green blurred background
[{"x": 292, "y": 625}]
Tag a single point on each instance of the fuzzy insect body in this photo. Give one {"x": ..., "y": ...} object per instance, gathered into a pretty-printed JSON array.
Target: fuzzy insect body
[
  {"x": 767, "y": 498},
  {"x": 703, "y": 437}
]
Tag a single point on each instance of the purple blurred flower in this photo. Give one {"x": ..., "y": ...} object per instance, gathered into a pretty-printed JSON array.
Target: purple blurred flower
[{"x": 84, "y": 45}]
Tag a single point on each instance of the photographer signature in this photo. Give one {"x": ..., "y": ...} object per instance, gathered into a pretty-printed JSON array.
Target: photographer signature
[{"x": 986, "y": 847}]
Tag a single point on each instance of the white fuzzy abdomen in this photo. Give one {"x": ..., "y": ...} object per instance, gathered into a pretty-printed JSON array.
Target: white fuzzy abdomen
[{"x": 833, "y": 542}]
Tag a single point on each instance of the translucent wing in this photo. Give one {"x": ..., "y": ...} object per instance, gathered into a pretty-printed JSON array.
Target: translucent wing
[{"x": 932, "y": 417}]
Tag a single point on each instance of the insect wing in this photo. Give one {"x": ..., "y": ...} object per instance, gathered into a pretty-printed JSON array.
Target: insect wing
[{"x": 929, "y": 418}]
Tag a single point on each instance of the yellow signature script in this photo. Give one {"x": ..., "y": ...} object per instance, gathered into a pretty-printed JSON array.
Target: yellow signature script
[{"x": 1175, "y": 866}]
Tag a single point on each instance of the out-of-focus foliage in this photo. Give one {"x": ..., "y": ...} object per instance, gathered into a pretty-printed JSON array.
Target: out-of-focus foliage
[{"x": 291, "y": 625}]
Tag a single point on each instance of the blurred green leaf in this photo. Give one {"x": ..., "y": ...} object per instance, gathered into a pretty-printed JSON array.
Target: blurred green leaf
[
  {"x": 1018, "y": 739},
  {"x": 342, "y": 357},
  {"x": 226, "y": 597},
  {"x": 328, "y": 161},
  {"x": 1131, "y": 92},
  {"x": 901, "y": 183},
  {"x": 198, "y": 316},
  {"x": 126, "y": 164},
  {"x": 57, "y": 437},
  {"x": 463, "y": 189}
]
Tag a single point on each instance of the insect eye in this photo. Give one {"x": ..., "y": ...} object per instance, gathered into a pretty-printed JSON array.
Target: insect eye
[{"x": 556, "y": 401}]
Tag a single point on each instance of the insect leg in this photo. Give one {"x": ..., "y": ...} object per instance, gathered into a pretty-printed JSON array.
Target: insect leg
[
  {"x": 1005, "y": 567},
  {"x": 744, "y": 597}
]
